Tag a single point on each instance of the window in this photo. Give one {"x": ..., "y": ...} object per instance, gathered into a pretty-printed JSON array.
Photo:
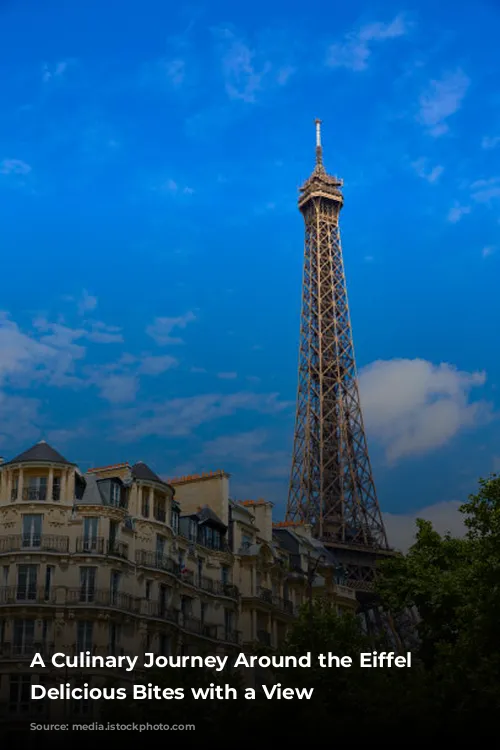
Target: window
[
  {"x": 163, "y": 600},
  {"x": 115, "y": 494},
  {"x": 147, "y": 594},
  {"x": 216, "y": 540},
  {"x": 203, "y": 609},
  {"x": 145, "y": 503},
  {"x": 5, "y": 575},
  {"x": 193, "y": 530},
  {"x": 56, "y": 489},
  {"x": 113, "y": 532},
  {"x": 200, "y": 568},
  {"x": 114, "y": 638},
  {"x": 32, "y": 530},
  {"x": 84, "y": 634},
  {"x": 26, "y": 582},
  {"x": 87, "y": 584},
  {"x": 174, "y": 522},
  {"x": 224, "y": 575},
  {"x": 186, "y": 606},
  {"x": 20, "y": 693},
  {"x": 45, "y": 631},
  {"x": 49, "y": 572},
  {"x": 208, "y": 536},
  {"x": 24, "y": 635},
  {"x": 160, "y": 547},
  {"x": 228, "y": 621},
  {"x": 164, "y": 645},
  {"x": 159, "y": 511},
  {"x": 182, "y": 559},
  {"x": 246, "y": 541},
  {"x": 37, "y": 489},
  {"x": 114, "y": 586},
  {"x": 90, "y": 529}
]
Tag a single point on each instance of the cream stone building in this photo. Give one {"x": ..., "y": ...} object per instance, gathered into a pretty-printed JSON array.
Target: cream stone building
[{"x": 119, "y": 561}]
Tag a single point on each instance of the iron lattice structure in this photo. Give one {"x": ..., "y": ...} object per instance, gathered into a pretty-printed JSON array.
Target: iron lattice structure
[{"x": 331, "y": 484}]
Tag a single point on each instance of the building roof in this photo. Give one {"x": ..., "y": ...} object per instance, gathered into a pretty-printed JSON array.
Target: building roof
[
  {"x": 203, "y": 515},
  {"x": 207, "y": 514},
  {"x": 91, "y": 494},
  {"x": 140, "y": 470},
  {"x": 41, "y": 452}
]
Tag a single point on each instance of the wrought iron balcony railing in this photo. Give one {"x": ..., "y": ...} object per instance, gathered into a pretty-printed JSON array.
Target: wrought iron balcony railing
[
  {"x": 148, "y": 559},
  {"x": 24, "y": 648},
  {"x": 159, "y": 610},
  {"x": 34, "y": 542},
  {"x": 93, "y": 597},
  {"x": 90, "y": 545},
  {"x": 218, "y": 587},
  {"x": 117, "y": 549},
  {"x": 25, "y": 594}
]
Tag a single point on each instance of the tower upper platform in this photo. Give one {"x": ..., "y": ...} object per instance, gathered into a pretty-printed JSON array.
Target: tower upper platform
[{"x": 320, "y": 184}]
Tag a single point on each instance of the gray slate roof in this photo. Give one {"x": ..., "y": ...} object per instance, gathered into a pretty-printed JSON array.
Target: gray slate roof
[
  {"x": 40, "y": 452},
  {"x": 140, "y": 470},
  {"x": 91, "y": 494}
]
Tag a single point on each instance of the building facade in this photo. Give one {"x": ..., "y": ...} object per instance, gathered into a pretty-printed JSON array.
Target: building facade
[{"x": 119, "y": 561}]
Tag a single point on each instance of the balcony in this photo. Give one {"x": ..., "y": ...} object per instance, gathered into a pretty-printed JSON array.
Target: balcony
[
  {"x": 218, "y": 588},
  {"x": 265, "y": 595},
  {"x": 231, "y": 636},
  {"x": 193, "y": 625},
  {"x": 27, "y": 648},
  {"x": 285, "y": 605},
  {"x": 117, "y": 549},
  {"x": 89, "y": 596},
  {"x": 187, "y": 576},
  {"x": 160, "y": 514},
  {"x": 160, "y": 611},
  {"x": 34, "y": 543},
  {"x": 37, "y": 494},
  {"x": 25, "y": 595},
  {"x": 90, "y": 545},
  {"x": 157, "y": 560}
]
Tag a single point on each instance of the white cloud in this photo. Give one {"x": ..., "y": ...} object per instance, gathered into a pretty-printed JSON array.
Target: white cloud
[
  {"x": 118, "y": 389},
  {"x": 87, "y": 303},
  {"x": 431, "y": 174},
  {"x": 181, "y": 416},
  {"x": 151, "y": 365},
  {"x": 487, "y": 251},
  {"x": 456, "y": 212},
  {"x": 354, "y": 51},
  {"x": 489, "y": 142},
  {"x": 161, "y": 328},
  {"x": 445, "y": 517},
  {"x": 51, "y": 72},
  {"x": 484, "y": 191},
  {"x": 14, "y": 167},
  {"x": 414, "y": 406},
  {"x": 227, "y": 375},
  {"x": 248, "y": 71},
  {"x": 442, "y": 99}
]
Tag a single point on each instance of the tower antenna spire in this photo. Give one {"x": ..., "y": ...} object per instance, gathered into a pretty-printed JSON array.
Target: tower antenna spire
[{"x": 319, "y": 148}]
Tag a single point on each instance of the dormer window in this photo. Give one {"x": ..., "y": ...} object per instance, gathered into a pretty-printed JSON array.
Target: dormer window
[
  {"x": 174, "y": 520},
  {"x": 115, "y": 494},
  {"x": 193, "y": 530}
]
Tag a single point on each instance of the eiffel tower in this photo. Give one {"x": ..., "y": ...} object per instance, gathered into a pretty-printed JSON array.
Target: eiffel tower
[{"x": 331, "y": 482}]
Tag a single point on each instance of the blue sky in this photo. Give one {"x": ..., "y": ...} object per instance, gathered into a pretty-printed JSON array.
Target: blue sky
[{"x": 152, "y": 247}]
